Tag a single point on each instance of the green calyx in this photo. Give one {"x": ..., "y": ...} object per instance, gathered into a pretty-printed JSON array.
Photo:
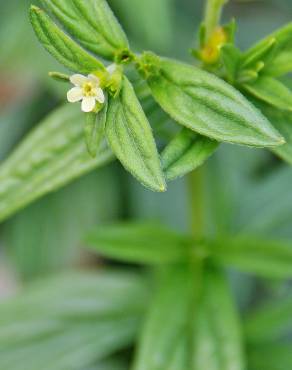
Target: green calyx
[
  {"x": 148, "y": 65},
  {"x": 124, "y": 56},
  {"x": 114, "y": 81}
]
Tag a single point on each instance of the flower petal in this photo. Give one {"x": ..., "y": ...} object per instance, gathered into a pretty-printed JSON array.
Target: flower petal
[
  {"x": 111, "y": 68},
  {"x": 78, "y": 80},
  {"x": 74, "y": 95},
  {"x": 94, "y": 79},
  {"x": 99, "y": 95},
  {"x": 88, "y": 104}
]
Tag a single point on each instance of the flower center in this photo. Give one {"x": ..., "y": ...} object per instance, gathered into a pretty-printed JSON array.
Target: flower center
[{"x": 88, "y": 89}]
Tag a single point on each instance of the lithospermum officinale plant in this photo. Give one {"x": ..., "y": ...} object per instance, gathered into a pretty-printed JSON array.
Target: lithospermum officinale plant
[{"x": 226, "y": 95}]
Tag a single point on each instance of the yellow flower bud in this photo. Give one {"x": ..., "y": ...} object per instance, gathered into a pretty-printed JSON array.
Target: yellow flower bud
[{"x": 210, "y": 53}]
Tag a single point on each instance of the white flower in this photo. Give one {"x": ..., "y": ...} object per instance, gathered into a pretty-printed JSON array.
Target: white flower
[
  {"x": 86, "y": 89},
  {"x": 111, "y": 68}
]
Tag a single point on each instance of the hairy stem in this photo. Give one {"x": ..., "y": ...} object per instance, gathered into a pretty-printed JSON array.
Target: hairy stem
[{"x": 213, "y": 15}]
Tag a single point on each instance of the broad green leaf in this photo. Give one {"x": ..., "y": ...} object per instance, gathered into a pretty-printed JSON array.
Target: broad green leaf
[
  {"x": 258, "y": 256},
  {"x": 71, "y": 321},
  {"x": 271, "y": 91},
  {"x": 130, "y": 136},
  {"x": 186, "y": 152},
  {"x": 94, "y": 130},
  {"x": 270, "y": 322},
  {"x": 275, "y": 356},
  {"x": 53, "y": 155},
  {"x": 61, "y": 46},
  {"x": 217, "y": 335},
  {"x": 275, "y": 51},
  {"x": 131, "y": 243},
  {"x": 209, "y": 106},
  {"x": 92, "y": 24},
  {"x": 167, "y": 322}
]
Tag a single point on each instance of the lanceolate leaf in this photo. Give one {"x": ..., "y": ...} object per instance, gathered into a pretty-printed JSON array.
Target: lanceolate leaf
[
  {"x": 217, "y": 336},
  {"x": 262, "y": 257},
  {"x": 94, "y": 130},
  {"x": 73, "y": 297},
  {"x": 230, "y": 57},
  {"x": 210, "y": 106},
  {"x": 272, "y": 92},
  {"x": 131, "y": 243},
  {"x": 186, "y": 152},
  {"x": 258, "y": 54},
  {"x": 74, "y": 347},
  {"x": 130, "y": 137},
  {"x": 167, "y": 322},
  {"x": 62, "y": 47},
  {"x": 92, "y": 23},
  {"x": 53, "y": 155},
  {"x": 275, "y": 51}
]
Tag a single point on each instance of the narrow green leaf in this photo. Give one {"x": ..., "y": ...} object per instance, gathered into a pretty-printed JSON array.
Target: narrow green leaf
[
  {"x": 261, "y": 257},
  {"x": 217, "y": 336},
  {"x": 259, "y": 53},
  {"x": 94, "y": 130},
  {"x": 186, "y": 152},
  {"x": 167, "y": 321},
  {"x": 230, "y": 57},
  {"x": 53, "y": 155},
  {"x": 275, "y": 51},
  {"x": 130, "y": 136},
  {"x": 61, "y": 77},
  {"x": 72, "y": 347},
  {"x": 61, "y": 46},
  {"x": 92, "y": 24},
  {"x": 209, "y": 106},
  {"x": 74, "y": 297},
  {"x": 131, "y": 243},
  {"x": 270, "y": 322},
  {"x": 272, "y": 92}
]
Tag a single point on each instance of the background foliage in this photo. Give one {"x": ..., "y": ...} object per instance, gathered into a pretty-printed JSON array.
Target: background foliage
[{"x": 91, "y": 319}]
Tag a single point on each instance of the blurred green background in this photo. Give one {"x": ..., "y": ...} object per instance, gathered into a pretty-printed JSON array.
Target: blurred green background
[{"x": 248, "y": 190}]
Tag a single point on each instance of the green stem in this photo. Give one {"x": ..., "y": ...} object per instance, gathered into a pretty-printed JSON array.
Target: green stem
[
  {"x": 213, "y": 15},
  {"x": 196, "y": 191},
  {"x": 197, "y": 226}
]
